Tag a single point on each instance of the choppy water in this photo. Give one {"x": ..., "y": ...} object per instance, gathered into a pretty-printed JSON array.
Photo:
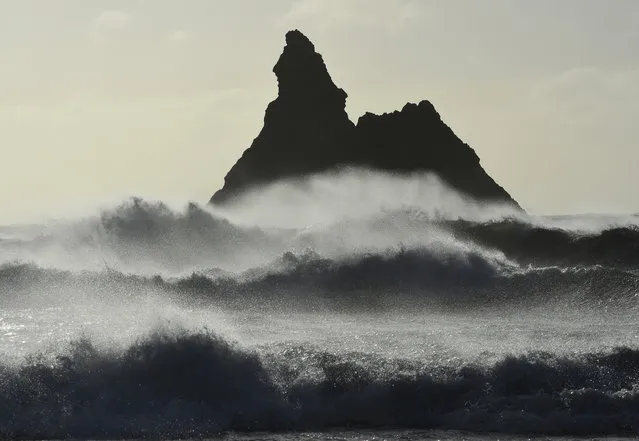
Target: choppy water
[
  {"x": 406, "y": 319},
  {"x": 399, "y": 435}
]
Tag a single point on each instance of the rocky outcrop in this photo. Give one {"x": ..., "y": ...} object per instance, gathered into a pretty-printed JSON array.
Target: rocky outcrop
[
  {"x": 306, "y": 130},
  {"x": 416, "y": 139}
]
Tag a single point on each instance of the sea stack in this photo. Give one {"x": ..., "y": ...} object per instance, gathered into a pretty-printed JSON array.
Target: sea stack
[{"x": 306, "y": 131}]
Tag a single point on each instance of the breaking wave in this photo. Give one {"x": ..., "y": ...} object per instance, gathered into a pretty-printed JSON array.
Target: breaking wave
[
  {"x": 617, "y": 246},
  {"x": 142, "y": 237},
  {"x": 179, "y": 384},
  {"x": 395, "y": 279},
  {"x": 379, "y": 252},
  {"x": 146, "y": 237}
]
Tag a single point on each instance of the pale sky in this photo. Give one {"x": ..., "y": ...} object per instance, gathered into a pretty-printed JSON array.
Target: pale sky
[{"x": 100, "y": 100}]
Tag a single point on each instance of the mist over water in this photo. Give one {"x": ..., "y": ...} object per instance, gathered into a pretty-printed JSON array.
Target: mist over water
[{"x": 348, "y": 300}]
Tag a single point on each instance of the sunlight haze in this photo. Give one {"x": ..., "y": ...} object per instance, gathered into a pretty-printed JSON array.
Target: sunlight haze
[{"x": 101, "y": 100}]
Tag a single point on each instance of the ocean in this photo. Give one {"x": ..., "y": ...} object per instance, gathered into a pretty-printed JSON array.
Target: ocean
[{"x": 345, "y": 319}]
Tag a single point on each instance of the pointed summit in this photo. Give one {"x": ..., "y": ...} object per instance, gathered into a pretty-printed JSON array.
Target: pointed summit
[
  {"x": 302, "y": 74},
  {"x": 296, "y": 38},
  {"x": 306, "y": 130}
]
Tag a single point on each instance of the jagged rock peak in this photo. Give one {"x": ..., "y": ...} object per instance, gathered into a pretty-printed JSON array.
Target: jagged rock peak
[
  {"x": 306, "y": 130},
  {"x": 424, "y": 107},
  {"x": 302, "y": 74},
  {"x": 295, "y": 38}
]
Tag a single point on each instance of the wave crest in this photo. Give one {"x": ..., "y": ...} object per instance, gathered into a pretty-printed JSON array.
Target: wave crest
[
  {"x": 361, "y": 282},
  {"x": 183, "y": 385}
]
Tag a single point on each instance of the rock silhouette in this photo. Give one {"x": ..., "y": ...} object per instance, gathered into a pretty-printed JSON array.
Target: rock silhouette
[{"x": 306, "y": 130}]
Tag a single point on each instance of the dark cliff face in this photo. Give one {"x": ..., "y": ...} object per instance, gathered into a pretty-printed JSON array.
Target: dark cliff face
[
  {"x": 306, "y": 130},
  {"x": 416, "y": 139}
]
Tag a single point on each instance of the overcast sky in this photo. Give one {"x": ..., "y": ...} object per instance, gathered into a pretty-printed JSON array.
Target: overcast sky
[{"x": 101, "y": 100}]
